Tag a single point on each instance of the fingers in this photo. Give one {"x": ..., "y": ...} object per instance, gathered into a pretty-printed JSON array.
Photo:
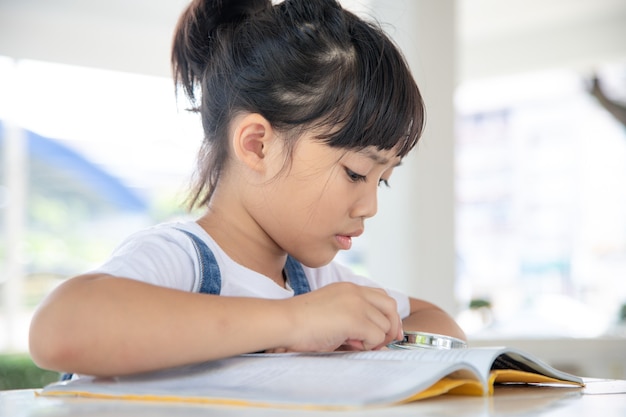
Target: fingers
[
  {"x": 276, "y": 350},
  {"x": 351, "y": 345},
  {"x": 384, "y": 316},
  {"x": 374, "y": 320},
  {"x": 357, "y": 317}
]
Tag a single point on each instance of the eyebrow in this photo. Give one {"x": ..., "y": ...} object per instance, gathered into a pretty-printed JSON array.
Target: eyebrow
[{"x": 377, "y": 158}]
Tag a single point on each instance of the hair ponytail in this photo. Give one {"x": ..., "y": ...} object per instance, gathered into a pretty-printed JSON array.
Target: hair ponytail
[{"x": 195, "y": 36}]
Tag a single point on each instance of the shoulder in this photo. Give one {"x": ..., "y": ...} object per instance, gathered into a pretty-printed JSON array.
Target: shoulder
[
  {"x": 161, "y": 255},
  {"x": 166, "y": 236}
]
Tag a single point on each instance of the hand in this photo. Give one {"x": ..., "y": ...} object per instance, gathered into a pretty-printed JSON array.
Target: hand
[{"x": 343, "y": 314}]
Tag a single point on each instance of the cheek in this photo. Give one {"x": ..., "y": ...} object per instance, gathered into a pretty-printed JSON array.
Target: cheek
[
  {"x": 328, "y": 207},
  {"x": 311, "y": 195},
  {"x": 314, "y": 204}
]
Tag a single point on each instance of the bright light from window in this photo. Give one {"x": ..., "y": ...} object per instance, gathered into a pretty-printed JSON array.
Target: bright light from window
[
  {"x": 541, "y": 205},
  {"x": 107, "y": 153}
]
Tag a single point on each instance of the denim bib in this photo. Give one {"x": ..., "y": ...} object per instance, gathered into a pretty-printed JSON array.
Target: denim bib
[{"x": 211, "y": 280}]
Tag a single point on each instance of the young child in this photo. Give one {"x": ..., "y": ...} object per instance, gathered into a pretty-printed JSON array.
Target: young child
[{"x": 306, "y": 109}]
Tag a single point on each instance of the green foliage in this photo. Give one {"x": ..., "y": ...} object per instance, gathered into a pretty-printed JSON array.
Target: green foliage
[
  {"x": 477, "y": 303},
  {"x": 17, "y": 371}
]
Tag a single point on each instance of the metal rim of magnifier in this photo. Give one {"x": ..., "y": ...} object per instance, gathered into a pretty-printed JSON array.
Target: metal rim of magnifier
[{"x": 428, "y": 341}]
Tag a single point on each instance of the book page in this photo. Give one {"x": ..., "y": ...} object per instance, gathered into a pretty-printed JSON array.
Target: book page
[
  {"x": 330, "y": 381},
  {"x": 484, "y": 359},
  {"x": 326, "y": 380},
  {"x": 480, "y": 358}
]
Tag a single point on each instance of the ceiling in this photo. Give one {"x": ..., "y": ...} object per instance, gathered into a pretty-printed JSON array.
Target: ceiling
[
  {"x": 495, "y": 37},
  {"x": 505, "y": 36}
]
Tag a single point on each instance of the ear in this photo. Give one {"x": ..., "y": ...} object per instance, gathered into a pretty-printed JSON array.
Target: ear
[{"x": 252, "y": 134}]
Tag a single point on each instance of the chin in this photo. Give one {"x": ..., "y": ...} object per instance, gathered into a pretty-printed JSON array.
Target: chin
[{"x": 316, "y": 262}]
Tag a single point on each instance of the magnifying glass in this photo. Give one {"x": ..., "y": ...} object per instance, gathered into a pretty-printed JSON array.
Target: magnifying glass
[{"x": 424, "y": 340}]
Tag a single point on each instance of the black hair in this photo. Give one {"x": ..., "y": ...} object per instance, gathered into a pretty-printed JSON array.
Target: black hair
[{"x": 300, "y": 64}]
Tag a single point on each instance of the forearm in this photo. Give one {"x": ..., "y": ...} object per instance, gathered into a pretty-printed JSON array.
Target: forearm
[
  {"x": 112, "y": 326},
  {"x": 427, "y": 317},
  {"x": 103, "y": 325}
]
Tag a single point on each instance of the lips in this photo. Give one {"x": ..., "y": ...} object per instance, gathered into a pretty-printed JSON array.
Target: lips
[{"x": 345, "y": 241}]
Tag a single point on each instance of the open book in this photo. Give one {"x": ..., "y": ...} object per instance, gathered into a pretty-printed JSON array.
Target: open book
[{"x": 327, "y": 380}]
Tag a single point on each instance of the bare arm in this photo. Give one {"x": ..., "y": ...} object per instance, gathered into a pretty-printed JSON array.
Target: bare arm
[
  {"x": 427, "y": 317},
  {"x": 104, "y": 325}
]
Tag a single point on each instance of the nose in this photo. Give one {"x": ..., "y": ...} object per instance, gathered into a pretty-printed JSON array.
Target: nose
[{"x": 367, "y": 205}]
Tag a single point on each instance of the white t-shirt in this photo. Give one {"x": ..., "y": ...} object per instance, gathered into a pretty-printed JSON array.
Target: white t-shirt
[{"x": 165, "y": 256}]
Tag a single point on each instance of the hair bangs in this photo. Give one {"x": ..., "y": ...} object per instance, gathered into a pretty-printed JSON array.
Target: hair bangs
[{"x": 383, "y": 107}]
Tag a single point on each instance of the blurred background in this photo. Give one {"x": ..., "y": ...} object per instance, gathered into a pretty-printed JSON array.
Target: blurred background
[{"x": 511, "y": 213}]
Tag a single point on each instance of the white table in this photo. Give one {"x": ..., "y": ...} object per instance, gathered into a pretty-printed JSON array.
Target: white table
[{"x": 599, "y": 398}]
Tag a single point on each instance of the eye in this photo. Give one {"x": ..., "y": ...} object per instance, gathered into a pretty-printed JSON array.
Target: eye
[{"x": 354, "y": 177}]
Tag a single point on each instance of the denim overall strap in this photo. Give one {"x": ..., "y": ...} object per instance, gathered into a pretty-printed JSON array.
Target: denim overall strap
[
  {"x": 211, "y": 281},
  {"x": 210, "y": 278},
  {"x": 296, "y": 277}
]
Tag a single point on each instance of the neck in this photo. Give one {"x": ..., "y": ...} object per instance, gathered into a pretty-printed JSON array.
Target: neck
[{"x": 244, "y": 241}]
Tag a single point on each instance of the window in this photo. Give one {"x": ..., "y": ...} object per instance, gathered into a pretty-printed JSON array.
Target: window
[
  {"x": 541, "y": 205},
  {"x": 103, "y": 154}
]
